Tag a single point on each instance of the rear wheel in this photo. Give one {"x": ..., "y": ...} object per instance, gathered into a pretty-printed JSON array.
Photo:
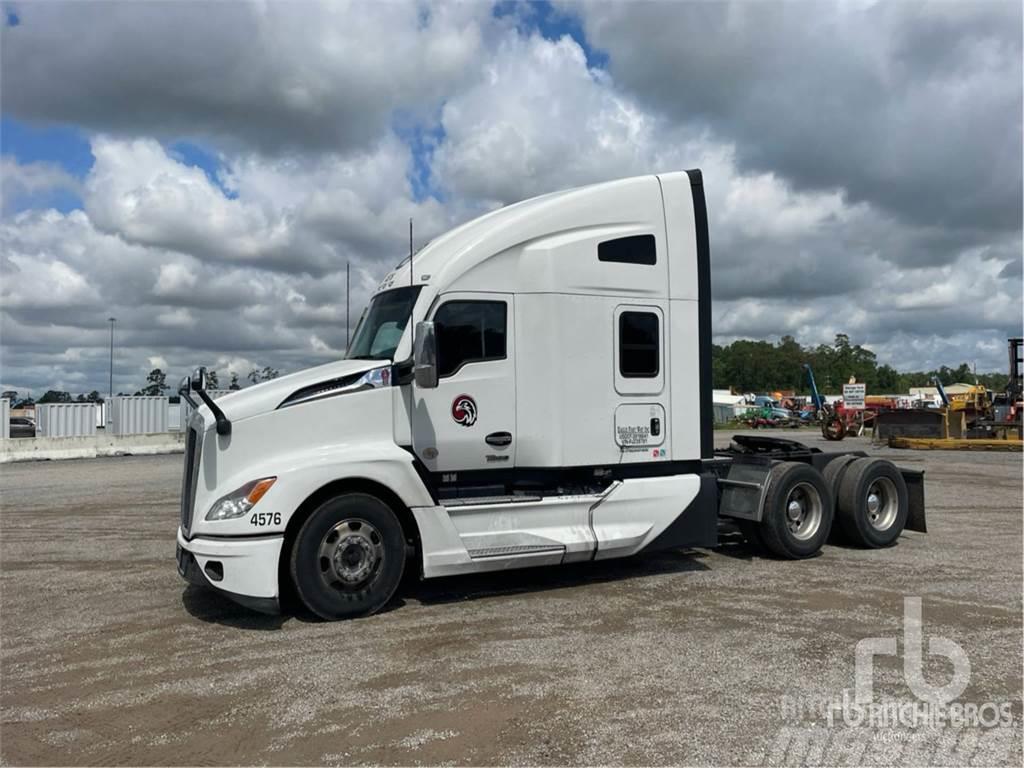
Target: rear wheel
[
  {"x": 872, "y": 503},
  {"x": 797, "y": 511},
  {"x": 348, "y": 557},
  {"x": 834, "y": 472}
]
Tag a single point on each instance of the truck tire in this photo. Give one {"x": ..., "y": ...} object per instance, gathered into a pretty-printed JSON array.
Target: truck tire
[
  {"x": 872, "y": 504},
  {"x": 834, "y": 472},
  {"x": 833, "y": 429},
  {"x": 348, "y": 557},
  {"x": 797, "y": 511}
]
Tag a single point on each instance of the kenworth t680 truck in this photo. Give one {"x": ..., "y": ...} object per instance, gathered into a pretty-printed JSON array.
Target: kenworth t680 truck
[{"x": 532, "y": 388}]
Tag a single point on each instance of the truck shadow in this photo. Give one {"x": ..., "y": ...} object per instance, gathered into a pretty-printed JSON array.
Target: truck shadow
[{"x": 211, "y": 607}]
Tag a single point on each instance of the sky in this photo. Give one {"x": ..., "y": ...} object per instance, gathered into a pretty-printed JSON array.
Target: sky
[{"x": 204, "y": 172}]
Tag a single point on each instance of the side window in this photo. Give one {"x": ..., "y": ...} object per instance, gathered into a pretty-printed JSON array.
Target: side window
[
  {"x": 637, "y": 249},
  {"x": 639, "y": 354},
  {"x": 469, "y": 332}
]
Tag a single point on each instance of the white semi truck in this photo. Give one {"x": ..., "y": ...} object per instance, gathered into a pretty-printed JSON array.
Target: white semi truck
[{"x": 533, "y": 388}]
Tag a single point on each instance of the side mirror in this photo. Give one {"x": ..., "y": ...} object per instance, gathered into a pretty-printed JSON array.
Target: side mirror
[
  {"x": 424, "y": 356},
  {"x": 199, "y": 379}
]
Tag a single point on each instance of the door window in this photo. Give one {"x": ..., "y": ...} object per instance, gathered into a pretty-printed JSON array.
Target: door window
[
  {"x": 639, "y": 355},
  {"x": 469, "y": 332}
]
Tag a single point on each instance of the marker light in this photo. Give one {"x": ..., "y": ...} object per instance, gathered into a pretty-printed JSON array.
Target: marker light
[{"x": 240, "y": 501}]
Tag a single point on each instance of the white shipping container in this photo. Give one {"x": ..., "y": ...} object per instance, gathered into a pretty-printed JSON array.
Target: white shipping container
[
  {"x": 174, "y": 412},
  {"x": 5, "y": 417},
  {"x": 137, "y": 415},
  {"x": 65, "y": 420},
  {"x": 101, "y": 415}
]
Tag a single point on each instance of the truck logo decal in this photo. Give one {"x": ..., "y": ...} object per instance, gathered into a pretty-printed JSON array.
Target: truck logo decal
[{"x": 464, "y": 410}]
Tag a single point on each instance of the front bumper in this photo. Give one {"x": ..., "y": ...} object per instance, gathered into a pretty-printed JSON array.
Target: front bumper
[{"x": 243, "y": 569}]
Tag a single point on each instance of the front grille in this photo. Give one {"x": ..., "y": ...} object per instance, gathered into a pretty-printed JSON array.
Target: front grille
[{"x": 190, "y": 478}]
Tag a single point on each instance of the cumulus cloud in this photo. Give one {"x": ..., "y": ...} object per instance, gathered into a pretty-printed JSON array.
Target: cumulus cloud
[
  {"x": 914, "y": 107},
  {"x": 270, "y": 76},
  {"x": 861, "y": 177},
  {"x": 28, "y": 185}
]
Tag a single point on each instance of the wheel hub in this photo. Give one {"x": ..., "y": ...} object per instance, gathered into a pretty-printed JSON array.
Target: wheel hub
[
  {"x": 873, "y": 503},
  {"x": 882, "y": 504},
  {"x": 350, "y": 554},
  {"x": 804, "y": 511},
  {"x": 794, "y": 510}
]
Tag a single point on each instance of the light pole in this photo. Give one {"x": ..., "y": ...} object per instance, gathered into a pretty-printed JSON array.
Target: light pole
[{"x": 112, "y": 320}]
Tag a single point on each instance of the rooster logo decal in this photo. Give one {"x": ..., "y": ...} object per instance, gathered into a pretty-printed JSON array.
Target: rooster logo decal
[{"x": 464, "y": 410}]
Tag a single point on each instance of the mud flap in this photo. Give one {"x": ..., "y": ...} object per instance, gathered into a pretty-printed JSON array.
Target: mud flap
[{"x": 915, "y": 496}]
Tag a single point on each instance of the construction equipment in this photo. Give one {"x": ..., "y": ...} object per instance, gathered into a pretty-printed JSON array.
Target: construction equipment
[
  {"x": 969, "y": 419},
  {"x": 833, "y": 425}
]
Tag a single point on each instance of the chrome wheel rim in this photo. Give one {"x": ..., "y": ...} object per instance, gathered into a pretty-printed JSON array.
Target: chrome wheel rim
[
  {"x": 351, "y": 554},
  {"x": 882, "y": 504},
  {"x": 803, "y": 511}
]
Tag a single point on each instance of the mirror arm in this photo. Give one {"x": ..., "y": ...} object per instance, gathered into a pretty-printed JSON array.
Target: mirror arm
[
  {"x": 223, "y": 424},
  {"x": 402, "y": 372},
  {"x": 183, "y": 391}
]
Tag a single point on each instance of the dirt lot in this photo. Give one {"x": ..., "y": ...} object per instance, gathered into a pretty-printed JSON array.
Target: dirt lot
[{"x": 697, "y": 657}]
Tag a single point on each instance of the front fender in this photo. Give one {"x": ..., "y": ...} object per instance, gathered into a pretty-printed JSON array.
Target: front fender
[{"x": 300, "y": 474}]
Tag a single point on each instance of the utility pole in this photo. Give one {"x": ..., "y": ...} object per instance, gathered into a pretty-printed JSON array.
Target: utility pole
[
  {"x": 112, "y": 320},
  {"x": 348, "y": 299}
]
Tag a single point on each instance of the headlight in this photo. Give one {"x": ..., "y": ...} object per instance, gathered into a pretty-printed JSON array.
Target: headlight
[{"x": 239, "y": 502}]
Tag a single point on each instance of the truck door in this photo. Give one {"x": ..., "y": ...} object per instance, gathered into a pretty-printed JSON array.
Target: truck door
[{"x": 468, "y": 421}]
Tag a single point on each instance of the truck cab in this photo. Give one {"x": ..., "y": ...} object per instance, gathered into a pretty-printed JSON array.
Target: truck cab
[{"x": 531, "y": 388}]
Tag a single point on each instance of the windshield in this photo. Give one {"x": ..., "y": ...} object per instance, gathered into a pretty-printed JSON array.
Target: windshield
[{"x": 381, "y": 326}]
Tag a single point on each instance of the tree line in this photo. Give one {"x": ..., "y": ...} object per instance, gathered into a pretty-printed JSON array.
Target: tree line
[
  {"x": 156, "y": 386},
  {"x": 744, "y": 365},
  {"x": 763, "y": 366}
]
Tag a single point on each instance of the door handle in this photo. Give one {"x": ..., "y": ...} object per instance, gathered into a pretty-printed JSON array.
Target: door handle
[{"x": 499, "y": 438}]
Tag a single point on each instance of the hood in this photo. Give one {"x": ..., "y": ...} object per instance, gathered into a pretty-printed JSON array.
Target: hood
[{"x": 268, "y": 395}]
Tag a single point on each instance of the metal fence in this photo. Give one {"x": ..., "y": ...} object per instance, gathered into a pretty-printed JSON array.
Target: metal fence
[
  {"x": 137, "y": 415},
  {"x": 5, "y": 417},
  {"x": 65, "y": 420}
]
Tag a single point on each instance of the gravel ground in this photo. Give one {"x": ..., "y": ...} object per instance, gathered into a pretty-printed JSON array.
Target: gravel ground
[{"x": 697, "y": 657}]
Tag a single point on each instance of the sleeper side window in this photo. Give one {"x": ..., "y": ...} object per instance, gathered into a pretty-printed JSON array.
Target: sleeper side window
[
  {"x": 639, "y": 354},
  {"x": 469, "y": 332},
  {"x": 636, "y": 249}
]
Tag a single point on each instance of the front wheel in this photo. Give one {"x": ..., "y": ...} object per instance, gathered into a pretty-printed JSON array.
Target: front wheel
[{"x": 348, "y": 557}]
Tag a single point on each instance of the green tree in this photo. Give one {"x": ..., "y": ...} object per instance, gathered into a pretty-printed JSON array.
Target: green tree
[
  {"x": 212, "y": 382},
  {"x": 156, "y": 384},
  {"x": 55, "y": 396},
  {"x": 234, "y": 382},
  {"x": 265, "y": 374}
]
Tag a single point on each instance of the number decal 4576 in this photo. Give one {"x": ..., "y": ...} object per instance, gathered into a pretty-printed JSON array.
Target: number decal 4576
[{"x": 265, "y": 518}]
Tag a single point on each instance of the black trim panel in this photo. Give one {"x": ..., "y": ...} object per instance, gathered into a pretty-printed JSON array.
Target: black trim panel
[
  {"x": 546, "y": 480},
  {"x": 697, "y": 525},
  {"x": 322, "y": 389},
  {"x": 700, "y": 218}
]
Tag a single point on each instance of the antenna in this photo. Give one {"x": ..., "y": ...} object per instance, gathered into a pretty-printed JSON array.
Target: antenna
[
  {"x": 348, "y": 302},
  {"x": 410, "y": 253}
]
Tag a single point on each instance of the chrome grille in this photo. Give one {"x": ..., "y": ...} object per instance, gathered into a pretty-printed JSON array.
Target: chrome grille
[{"x": 190, "y": 477}]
